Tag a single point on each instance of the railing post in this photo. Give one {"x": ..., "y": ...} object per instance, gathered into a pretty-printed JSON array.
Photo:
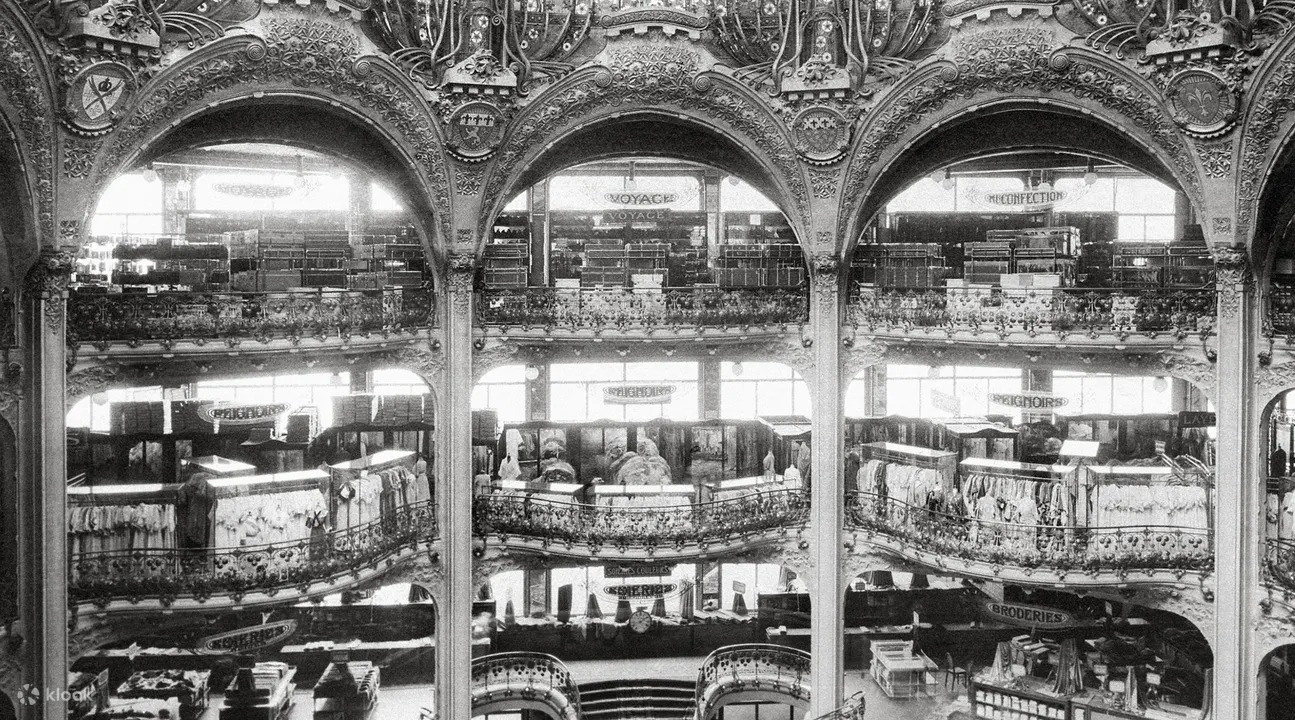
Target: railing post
[
  {"x": 1238, "y": 521},
  {"x": 826, "y": 630},
  {"x": 453, "y": 636}
]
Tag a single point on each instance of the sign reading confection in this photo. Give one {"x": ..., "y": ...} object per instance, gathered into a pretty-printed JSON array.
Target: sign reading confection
[
  {"x": 637, "y": 394},
  {"x": 628, "y": 197},
  {"x": 637, "y": 570},
  {"x": 247, "y": 639},
  {"x": 1031, "y": 616},
  {"x": 1029, "y": 400},
  {"x": 641, "y": 591},
  {"x": 1019, "y": 200},
  {"x": 243, "y": 414}
]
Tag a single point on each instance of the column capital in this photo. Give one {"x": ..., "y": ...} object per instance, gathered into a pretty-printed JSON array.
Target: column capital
[
  {"x": 1234, "y": 274},
  {"x": 825, "y": 275},
  {"x": 47, "y": 280},
  {"x": 462, "y": 271}
]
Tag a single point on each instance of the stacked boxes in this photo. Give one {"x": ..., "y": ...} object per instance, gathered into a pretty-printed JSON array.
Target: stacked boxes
[
  {"x": 129, "y": 418},
  {"x": 762, "y": 265},
  {"x": 605, "y": 263},
  {"x": 400, "y": 410},
  {"x": 354, "y": 409},
  {"x": 485, "y": 425},
  {"x": 505, "y": 265}
]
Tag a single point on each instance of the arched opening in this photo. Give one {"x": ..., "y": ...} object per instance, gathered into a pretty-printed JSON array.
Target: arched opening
[
  {"x": 1279, "y": 491},
  {"x": 929, "y": 645},
  {"x": 642, "y": 241},
  {"x": 1274, "y": 245},
  {"x": 1276, "y": 677}
]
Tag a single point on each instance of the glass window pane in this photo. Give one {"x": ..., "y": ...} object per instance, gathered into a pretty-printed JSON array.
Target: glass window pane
[
  {"x": 1160, "y": 227},
  {"x": 1098, "y": 197},
  {"x": 1143, "y": 195},
  {"x": 587, "y": 371},
  {"x": 383, "y": 200},
  {"x": 925, "y": 195},
  {"x": 736, "y": 195},
  {"x": 1132, "y": 228},
  {"x": 505, "y": 374},
  {"x": 736, "y": 401},
  {"x": 856, "y": 398}
]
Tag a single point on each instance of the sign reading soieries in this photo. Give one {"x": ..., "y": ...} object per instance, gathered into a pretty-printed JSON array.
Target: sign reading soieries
[{"x": 1031, "y": 616}]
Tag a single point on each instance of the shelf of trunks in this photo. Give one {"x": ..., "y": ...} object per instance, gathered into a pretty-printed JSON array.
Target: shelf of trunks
[{"x": 923, "y": 250}]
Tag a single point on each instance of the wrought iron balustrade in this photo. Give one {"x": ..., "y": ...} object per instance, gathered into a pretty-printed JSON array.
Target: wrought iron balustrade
[
  {"x": 1051, "y": 547},
  {"x": 166, "y": 574},
  {"x": 635, "y": 308},
  {"x": 1067, "y": 311},
  {"x": 852, "y": 709},
  {"x": 1281, "y": 310},
  {"x": 1279, "y": 563},
  {"x": 746, "y": 667},
  {"x": 499, "y": 678},
  {"x": 625, "y": 528},
  {"x": 169, "y": 316}
]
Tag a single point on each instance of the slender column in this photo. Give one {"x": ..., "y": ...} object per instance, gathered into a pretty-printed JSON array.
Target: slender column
[
  {"x": 826, "y": 630},
  {"x": 177, "y": 199},
  {"x": 359, "y": 207},
  {"x": 875, "y": 376},
  {"x": 1238, "y": 524},
  {"x": 539, "y": 211},
  {"x": 453, "y": 637},
  {"x": 709, "y": 396},
  {"x": 537, "y": 392},
  {"x": 42, "y": 485}
]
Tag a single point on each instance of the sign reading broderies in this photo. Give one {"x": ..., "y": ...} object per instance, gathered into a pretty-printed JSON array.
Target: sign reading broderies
[
  {"x": 1031, "y": 616},
  {"x": 1029, "y": 401}
]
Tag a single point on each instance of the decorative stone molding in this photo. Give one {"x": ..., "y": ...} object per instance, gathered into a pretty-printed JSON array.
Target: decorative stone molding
[
  {"x": 1235, "y": 277},
  {"x": 462, "y": 273},
  {"x": 20, "y": 83},
  {"x": 496, "y": 354},
  {"x": 84, "y": 382},
  {"x": 1216, "y": 158},
  {"x": 428, "y": 363},
  {"x": 47, "y": 280},
  {"x": 826, "y": 276},
  {"x": 78, "y": 156}
]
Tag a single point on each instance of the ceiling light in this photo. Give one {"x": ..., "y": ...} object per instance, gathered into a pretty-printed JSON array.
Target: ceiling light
[
  {"x": 150, "y": 173},
  {"x": 947, "y": 182},
  {"x": 1090, "y": 173}
]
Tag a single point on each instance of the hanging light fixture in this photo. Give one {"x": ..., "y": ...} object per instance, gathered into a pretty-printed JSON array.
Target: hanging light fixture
[
  {"x": 1045, "y": 183},
  {"x": 1090, "y": 173},
  {"x": 630, "y": 183},
  {"x": 947, "y": 182},
  {"x": 300, "y": 179},
  {"x": 937, "y": 176},
  {"x": 150, "y": 173}
]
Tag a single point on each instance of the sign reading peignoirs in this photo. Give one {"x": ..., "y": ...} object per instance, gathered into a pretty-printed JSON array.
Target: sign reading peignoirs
[
  {"x": 247, "y": 639},
  {"x": 641, "y": 199},
  {"x": 643, "y": 591},
  {"x": 1032, "y": 616},
  {"x": 242, "y": 414},
  {"x": 637, "y": 394},
  {"x": 1029, "y": 401}
]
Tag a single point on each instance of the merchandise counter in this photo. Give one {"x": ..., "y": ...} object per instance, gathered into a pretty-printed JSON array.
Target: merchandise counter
[
  {"x": 1026, "y": 699},
  {"x": 899, "y": 672}
]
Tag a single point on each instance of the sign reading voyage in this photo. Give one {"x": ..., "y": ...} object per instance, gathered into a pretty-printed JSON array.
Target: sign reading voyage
[{"x": 641, "y": 199}]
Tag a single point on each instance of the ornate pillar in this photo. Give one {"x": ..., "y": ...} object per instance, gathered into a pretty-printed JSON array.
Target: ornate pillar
[
  {"x": 42, "y": 485},
  {"x": 827, "y": 640},
  {"x": 177, "y": 198},
  {"x": 1238, "y": 521},
  {"x": 453, "y": 636}
]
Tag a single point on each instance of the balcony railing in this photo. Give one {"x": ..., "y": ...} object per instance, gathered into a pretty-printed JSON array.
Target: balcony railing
[
  {"x": 852, "y": 709},
  {"x": 650, "y": 529},
  {"x": 199, "y": 574},
  {"x": 1281, "y": 311},
  {"x": 1032, "y": 311},
  {"x": 1050, "y": 547},
  {"x": 635, "y": 309},
  {"x": 733, "y": 670},
  {"x": 1279, "y": 563},
  {"x": 231, "y": 317},
  {"x": 517, "y": 680}
]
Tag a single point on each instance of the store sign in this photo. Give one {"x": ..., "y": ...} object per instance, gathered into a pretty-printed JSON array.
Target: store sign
[
  {"x": 644, "y": 591},
  {"x": 1031, "y": 616},
  {"x": 1029, "y": 401},
  {"x": 638, "y": 394},
  {"x": 1197, "y": 419},
  {"x": 641, "y": 198},
  {"x": 1020, "y": 200},
  {"x": 242, "y": 414},
  {"x": 245, "y": 640},
  {"x": 637, "y": 570},
  {"x": 633, "y": 216}
]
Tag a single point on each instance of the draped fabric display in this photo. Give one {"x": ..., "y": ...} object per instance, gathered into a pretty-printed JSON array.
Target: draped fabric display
[
  {"x": 375, "y": 493},
  {"x": 919, "y": 487},
  {"x": 99, "y": 528},
  {"x": 1158, "y": 505},
  {"x": 264, "y": 519},
  {"x": 998, "y": 498},
  {"x": 1281, "y": 515}
]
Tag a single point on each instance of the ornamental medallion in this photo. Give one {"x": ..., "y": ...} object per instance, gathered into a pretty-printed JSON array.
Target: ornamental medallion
[
  {"x": 476, "y": 129},
  {"x": 97, "y": 96},
  {"x": 1201, "y": 102},
  {"x": 822, "y": 134}
]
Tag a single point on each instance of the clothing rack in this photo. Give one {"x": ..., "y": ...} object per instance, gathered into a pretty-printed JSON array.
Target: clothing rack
[
  {"x": 128, "y": 494},
  {"x": 268, "y": 484},
  {"x": 343, "y": 510},
  {"x": 943, "y": 461},
  {"x": 1165, "y": 472},
  {"x": 1037, "y": 472}
]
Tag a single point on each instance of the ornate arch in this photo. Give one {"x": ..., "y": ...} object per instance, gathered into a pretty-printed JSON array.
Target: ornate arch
[
  {"x": 27, "y": 99},
  {"x": 663, "y": 80},
  {"x": 297, "y": 59},
  {"x": 1020, "y": 65},
  {"x": 1268, "y": 130}
]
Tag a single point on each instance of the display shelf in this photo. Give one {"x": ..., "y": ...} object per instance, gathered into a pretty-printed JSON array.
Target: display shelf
[{"x": 993, "y": 702}]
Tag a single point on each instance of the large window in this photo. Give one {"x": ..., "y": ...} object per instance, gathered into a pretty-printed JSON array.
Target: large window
[
  {"x": 1145, "y": 205},
  {"x": 395, "y": 381},
  {"x": 576, "y": 391},
  {"x": 238, "y": 192},
  {"x": 130, "y": 205},
  {"x": 932, "y": 392},
  {"x": 1091, "y": 394},
  {"x": 303, "y": 390},
  {"x": 504, "y": 391},
  {"x": 752, "y": 389}
]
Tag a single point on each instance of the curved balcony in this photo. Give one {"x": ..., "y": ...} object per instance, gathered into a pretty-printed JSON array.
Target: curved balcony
[
  {"x": 1279, "y": 566},
  {"x": 736, "y": 313},
  {"x": 1028, "y": 553},
  {"x": 1281, "y": 312},
  {"x": 189, "y": 323},
  {"x": 568, "y": 529},
  {"x": 1076, "y": 317},
  {"x": 212, "y": 579},
  {"x": 512, "y": 681},
  {"x": 752, "y": 672}
]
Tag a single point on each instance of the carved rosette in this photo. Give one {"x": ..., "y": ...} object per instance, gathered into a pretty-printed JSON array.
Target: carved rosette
[
  {"x": 47, "y": 281},
  {"x": 1234, "y": 276}
]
